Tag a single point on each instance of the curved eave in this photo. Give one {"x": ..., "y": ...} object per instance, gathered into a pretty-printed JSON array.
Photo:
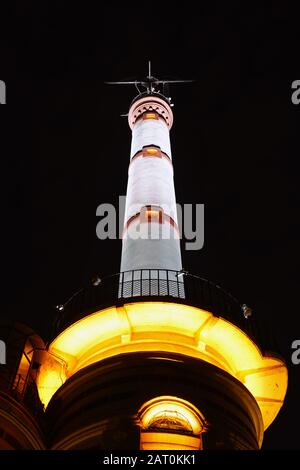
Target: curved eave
[{"x": 167, "y": 327}]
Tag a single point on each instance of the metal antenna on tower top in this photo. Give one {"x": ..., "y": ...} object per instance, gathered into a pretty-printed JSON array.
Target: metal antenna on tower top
[
  {"x": 151, "y": 84},
  {"x": 149, "y": 69}
]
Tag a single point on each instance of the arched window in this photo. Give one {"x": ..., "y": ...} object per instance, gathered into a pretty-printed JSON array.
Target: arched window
[{"x": 169, "y": 422}]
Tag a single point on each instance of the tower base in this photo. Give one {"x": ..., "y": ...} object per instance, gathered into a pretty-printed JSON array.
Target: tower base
[{"x": 98, "y": 407}]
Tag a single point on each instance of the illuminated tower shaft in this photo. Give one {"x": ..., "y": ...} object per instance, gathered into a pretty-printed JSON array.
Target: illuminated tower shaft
[{"x": 150, "y": 236}]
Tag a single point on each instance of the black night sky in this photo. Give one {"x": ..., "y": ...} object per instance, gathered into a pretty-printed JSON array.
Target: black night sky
[{"x": 234, "y": 146}]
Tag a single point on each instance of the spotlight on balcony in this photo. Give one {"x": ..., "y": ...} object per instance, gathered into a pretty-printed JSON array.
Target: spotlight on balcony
[
  {"x": 181, "y": 273},
  {"x": 60, "y": 307},
  {"x": 96, "y": 281},
  {"x": 247, "y": 311}
]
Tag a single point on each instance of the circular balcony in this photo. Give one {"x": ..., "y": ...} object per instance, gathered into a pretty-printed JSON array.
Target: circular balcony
[{"x": 159, "y": 285}]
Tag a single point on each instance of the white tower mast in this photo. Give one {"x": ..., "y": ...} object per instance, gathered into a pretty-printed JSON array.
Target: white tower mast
[{"x": 151, "y": 235}]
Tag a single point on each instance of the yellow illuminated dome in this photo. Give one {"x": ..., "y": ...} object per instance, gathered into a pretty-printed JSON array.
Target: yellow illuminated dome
[{"x": 166, "y": 327}]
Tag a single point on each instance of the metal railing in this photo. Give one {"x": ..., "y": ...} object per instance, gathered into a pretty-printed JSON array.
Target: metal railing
[
  {"x": 154, "y": 285},
  {"x": 151, "y": 282}
]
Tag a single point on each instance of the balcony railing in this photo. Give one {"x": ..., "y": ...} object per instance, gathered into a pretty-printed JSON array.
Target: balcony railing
[
  {"x": 155, "y": 285},
  {"x": 151, "y": 282}
]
